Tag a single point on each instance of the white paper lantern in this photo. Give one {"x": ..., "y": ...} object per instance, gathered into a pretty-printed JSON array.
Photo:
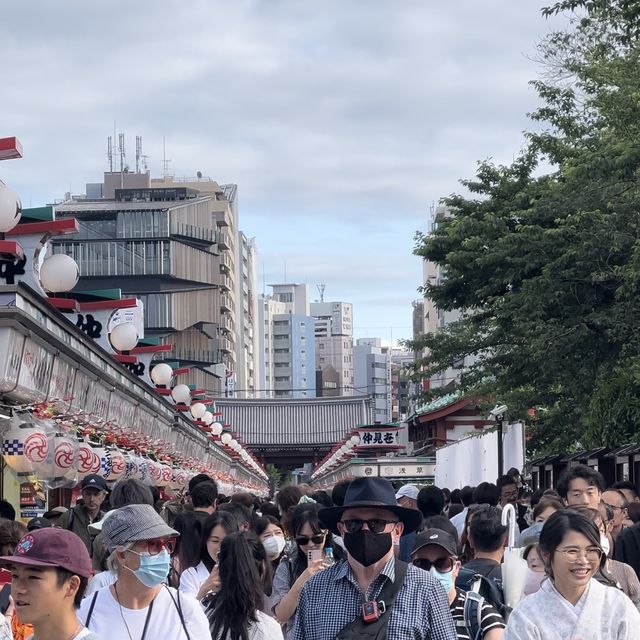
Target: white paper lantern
[
  {"x": 87, "y": 460},
  {"x": 13, "y": 443},
  {"x": 124, "y": 337},
  {"x": 166, "y": 476},
  {"x": 64, "y": 454},
  {"x": 59, "y": 273},
  {"x": 155, "y": 472},
  {"x": 10, "y": 208},
  {"x": 355, "y": 440},
  {"x": 226, "y": 438},
  {"x": 198, "y": 410},
  {"x": 216, "y": 429},
  {"x": 118, "y": 465},
  {"x": 181, "y": 394},
  {"x": 207, "y": 418},
  {"x": 181, "y": 478},
  {"x": 161, "y": 374},
  {"x": 131, "y": 466},
  {"x": 36, "y": 446}
]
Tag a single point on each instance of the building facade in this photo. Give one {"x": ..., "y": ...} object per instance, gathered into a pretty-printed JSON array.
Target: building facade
[
  {"x": 334, "y": 344},
  {"x": 372, "y": 375}
]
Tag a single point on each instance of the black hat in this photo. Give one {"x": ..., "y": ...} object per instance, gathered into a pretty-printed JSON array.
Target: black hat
[
  {"x": 376, "y": 493},
  {"x": 438, "y": 537},
  {"x": 38, "y": 523},
  {"x": 55, "y": 513},
  {"x": 94, "y": 481}
]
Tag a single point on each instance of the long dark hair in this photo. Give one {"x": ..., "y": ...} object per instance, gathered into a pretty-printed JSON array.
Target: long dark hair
[
  {"x": 220, "y": 518},
  {"x": 243, "y": 569},
  {"x": 556, "y": 528},
  {"x": 187, "y": 549}
]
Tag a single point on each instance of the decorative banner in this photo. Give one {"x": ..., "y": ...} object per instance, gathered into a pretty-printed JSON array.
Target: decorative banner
[{"x": 378, "y": 438}]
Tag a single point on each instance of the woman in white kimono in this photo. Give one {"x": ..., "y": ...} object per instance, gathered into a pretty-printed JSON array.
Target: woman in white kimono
[{"x": 571, "y": 604}]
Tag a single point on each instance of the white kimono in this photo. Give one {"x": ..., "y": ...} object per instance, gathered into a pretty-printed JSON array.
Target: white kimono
[{"x": 602, "y": 613}]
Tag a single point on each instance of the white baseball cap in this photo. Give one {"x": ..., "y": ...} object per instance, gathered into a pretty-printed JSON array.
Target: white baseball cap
[{"x": 408, "y": 491}]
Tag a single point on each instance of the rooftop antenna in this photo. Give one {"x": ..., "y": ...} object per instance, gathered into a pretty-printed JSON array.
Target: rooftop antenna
[
  {"x": 123, "y": 155},
  {"x": 138, "y": 152},
  {"x": 110, "y": 153},
  {"x": 165, "y": 160},
  {"x": 320, "y": 288}
]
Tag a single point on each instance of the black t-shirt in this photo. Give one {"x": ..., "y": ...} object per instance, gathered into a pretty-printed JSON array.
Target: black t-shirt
[
  {"x": 490, "y": 618},
  {"x": 485, "y": 567}
]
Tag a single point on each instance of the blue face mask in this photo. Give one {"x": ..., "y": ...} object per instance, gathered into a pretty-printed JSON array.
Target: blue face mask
[
  {"x": 445, "y": 579},
  {"x": 153, "y": 570}
]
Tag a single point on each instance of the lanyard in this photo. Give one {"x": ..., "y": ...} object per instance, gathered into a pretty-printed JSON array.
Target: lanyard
[{"x": 146, "y": 622}]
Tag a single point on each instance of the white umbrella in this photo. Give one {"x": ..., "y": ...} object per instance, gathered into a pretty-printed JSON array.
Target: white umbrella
[{"x": 514, "y": 567}]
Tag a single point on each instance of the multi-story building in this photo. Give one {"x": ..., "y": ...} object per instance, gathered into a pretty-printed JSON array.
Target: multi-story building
[
  {"x": 334, "y": 346},
  {"x": 172, "y": 244},
  {"x": 372, "y": 375},
  {"x": 286, "y": 353},
  {"x": 401, "y": 386}
]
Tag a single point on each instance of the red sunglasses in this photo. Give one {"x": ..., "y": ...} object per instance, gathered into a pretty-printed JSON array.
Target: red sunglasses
[{"x": 155, "y": 546}]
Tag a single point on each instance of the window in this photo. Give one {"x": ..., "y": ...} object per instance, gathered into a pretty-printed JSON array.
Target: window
[
  {"x": 282, "y": 379},
  {"x": 285, "y": 297},
  {"x": 321, "y": 345}
]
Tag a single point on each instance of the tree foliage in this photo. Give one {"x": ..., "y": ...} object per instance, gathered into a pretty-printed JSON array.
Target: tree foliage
[{"x": 543, "y": 256}]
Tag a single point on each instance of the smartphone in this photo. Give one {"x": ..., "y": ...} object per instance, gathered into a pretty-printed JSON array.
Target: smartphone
[
  {"x": 5, "y": 593},
  {"x": 314, "y": 554}
]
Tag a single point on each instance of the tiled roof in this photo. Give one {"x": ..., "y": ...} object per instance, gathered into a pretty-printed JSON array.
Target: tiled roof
[
  {"x": 314, "y": 421},
  {"x": 438, "y": 403}
]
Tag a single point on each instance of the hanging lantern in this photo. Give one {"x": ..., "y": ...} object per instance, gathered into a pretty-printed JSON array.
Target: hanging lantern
[
  {"x": 64, "y": 453},
  {"x": 225, "y": 438},
  {"x": 118, "y": 465},
  {"x": 207, "y": 418},
  {"x": 198, "y": 410},
  {"x": 59, "y": 273},
  {"x": 181, "y": 478},
  {"x": 167, "y": 475},
  {"x": 181, "y": 394},
  {"x": 161, "y": 374},
  {"x": 155, "y": 472},
  {"x": 124, "y": 337},
  {"x": 36, "y": 446},
  {"x": 87, "y": 460},
  {"x": 131, "y": 466},
  {"x": 216, "y": 429},
  {"x": 13, "y": 449},
  {"x": 10, "y": 208}
]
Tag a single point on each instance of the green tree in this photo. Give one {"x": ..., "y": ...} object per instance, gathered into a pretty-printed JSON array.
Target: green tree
[{"x": 545, "y": 267}]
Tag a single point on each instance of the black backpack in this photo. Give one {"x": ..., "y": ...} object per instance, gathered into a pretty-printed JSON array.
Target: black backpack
[{"x": 479, "y": 589}]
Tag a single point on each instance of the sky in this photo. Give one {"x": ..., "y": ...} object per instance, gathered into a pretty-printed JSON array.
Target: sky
[{"x": 342, "y": 122}]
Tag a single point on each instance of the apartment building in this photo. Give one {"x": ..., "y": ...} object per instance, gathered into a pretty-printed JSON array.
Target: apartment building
[{"x": 372, "y": 375}]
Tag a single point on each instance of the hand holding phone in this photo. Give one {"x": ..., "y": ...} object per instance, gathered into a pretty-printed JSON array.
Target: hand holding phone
[{"x": 314, "y": 554}]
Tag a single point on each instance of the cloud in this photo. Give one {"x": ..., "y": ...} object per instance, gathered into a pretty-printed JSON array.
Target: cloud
[{"x": 341, "y": 122}]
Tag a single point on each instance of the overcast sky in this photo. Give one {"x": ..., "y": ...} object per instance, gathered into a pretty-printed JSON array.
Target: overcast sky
[{"x": 341, "y": 121}]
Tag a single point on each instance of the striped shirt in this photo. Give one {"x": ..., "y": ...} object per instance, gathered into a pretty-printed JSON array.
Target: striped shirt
[
  {"x": 490, "y": 618},
  {"x": 331, "y": 600}
]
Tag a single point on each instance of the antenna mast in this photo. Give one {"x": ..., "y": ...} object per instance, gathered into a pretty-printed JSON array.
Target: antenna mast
[
  {"x": 320, "y": 288},
  {"x": 138, "y": 152},
  {"x": 110, "y": 153}
]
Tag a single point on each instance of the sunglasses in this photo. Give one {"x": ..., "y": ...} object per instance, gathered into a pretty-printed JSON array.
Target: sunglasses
[
  {"x": 317, "y": 539},
  {"x": 375, "y": 525},
  {"x": 155, "y": 546},
  {"x": 442, "y": 565}
]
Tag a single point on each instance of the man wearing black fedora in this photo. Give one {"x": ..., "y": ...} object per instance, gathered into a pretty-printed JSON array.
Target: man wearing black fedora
[{"x": 371, "y": 594}]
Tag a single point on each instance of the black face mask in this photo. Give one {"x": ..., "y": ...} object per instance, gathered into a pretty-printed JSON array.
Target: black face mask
[{"x": 367, "y": 547}]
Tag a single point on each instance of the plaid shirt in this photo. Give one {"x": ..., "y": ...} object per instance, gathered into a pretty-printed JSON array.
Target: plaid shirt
[{"x": 332, "y": 599}]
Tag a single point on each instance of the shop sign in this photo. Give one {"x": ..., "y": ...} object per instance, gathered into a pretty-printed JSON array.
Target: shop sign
[
  {"x": 378, "y": 438},
  {"x": 400, "y": 470},
  {"x": 365, "y": 471}
]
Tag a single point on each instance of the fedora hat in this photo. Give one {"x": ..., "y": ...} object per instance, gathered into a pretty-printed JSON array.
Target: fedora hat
[{"x": 374, "y": 493}]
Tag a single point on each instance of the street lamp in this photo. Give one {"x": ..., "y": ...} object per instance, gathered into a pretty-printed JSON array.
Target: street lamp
[
  {"x": 59, "y": 273},
  {"x": 498, "y": 413}
]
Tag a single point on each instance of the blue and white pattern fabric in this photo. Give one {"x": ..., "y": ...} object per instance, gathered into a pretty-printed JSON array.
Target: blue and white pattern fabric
[
  {"x": 332, "y": 598},
  {"x": 13, "y": 447}
]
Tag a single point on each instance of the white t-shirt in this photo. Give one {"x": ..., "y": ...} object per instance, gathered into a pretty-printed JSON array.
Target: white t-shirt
[
  {"x": 191, "y": 579},
  {"x": 265, "y": 628},
  {"x": 84, "y": 634},
  {"x": 108, "y": 617},
  {"x": 102, "y": 579}
]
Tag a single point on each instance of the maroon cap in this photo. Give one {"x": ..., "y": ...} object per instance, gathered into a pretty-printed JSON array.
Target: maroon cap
[{"x": 52, "y": 547}]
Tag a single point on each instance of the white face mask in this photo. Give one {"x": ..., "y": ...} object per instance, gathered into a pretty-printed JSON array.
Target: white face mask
[
  {"x": 604, "y": 543},
  {"x": 274, "y": 546}
]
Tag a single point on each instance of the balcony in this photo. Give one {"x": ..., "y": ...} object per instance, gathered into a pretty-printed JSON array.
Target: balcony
[
  {"x": 225, "y": 324},
  {"x": 224, "y": 240},
  {"x": 226, "y": 264},
  {"x": 225, "y": 302},
  {"x": 226, "y": 346},
  {"x": 222, "y": 218},
  {"x": 225, "y": 283}
]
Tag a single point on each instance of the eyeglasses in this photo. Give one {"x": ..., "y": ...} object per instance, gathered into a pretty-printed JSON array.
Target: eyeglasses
[
  {"x": 375, "y": 525},
  {"x": 155, "y": 546},
  {"x": 612, "y": 506},
  {"x": 317, "y": 539},
  {"x": 442, "y": 565},
  {"x": 573, "y": 554}
]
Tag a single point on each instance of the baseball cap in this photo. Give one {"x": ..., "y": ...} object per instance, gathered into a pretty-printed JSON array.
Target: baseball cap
[
  {"x": 437, "y": 537},
  {"x": 38, "y": 523},
  {"x": 133, "y": 523},
  {"x": 408, "y": 491},
  {"x": 52, "y": 547},
  {"x": 94, "y": 481}
]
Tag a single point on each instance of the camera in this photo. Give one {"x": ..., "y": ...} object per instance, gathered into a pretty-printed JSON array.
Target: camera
[{"x": 498, "y": 412}]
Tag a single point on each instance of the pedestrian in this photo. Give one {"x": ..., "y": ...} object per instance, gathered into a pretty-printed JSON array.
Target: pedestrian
[
  {"x": 508, "y": 490},
  {"x": 458, "y": 520},
  {"x": 343, "y": 601},
  {"x": 138, "y": 606},
  {"x": 50, "y": 570},
  {"x": 204, "y": 498},
  {"x": 187, "y": 551},
  {"x": 269, "y": 531},
  {"x": 234, "y": 613},
  {"x": 571, "y": 603},
  {"x": 488, "y": 538},
  {"x": 581, "y": 485},
  {"x": 87, "y": 510},
  {"x": 617, "y": 502},
  {"x": 436, "y": 551},
  {"x": 293, "y": 572},
  {"x": 204, "y": 579}
]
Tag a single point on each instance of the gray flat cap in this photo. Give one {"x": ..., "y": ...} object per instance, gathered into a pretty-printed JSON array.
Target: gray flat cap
[{"x": 132, "y": 523}]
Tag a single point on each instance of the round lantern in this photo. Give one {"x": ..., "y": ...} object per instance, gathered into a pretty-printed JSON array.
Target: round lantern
[
  {"x": 161, "y": 374},
  {"x": 13, "y": 443},
  {"x": 198, "y": 410},
  {"x": 225, "y": 438},
  {"x": 59, "y": 273},
  {"x": 181, "y": 394},
  {"x": 355, "y": 440},
  {"x": 87, "y": 460},
  {"x": 118, "y": 465},
  {"x": 166, "y": 476},
  {"x": 216, "y": 428},
  {"x": 64, "y": 453},
  {"x": 207, "y": 418},
  {"x": 36, "y": 446},
  {"x": 181, "y": 478},
  {"x": 131, "y": 466},
  {"x": 10, "y": 208},
  {"x": 123, "y": 337}
]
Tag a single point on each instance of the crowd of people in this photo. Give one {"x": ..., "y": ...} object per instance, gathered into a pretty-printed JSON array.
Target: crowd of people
[{"x": 365, "y": 560}]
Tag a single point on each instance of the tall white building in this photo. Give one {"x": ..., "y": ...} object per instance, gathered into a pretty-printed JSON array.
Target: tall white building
[
  {"x": 372, "y": 375},
  {"x": 286, "y": 352},
  {"x": 334, "y": 343}
]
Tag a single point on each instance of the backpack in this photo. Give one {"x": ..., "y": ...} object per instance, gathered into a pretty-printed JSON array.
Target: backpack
[{"x": 479, "y": 589}]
